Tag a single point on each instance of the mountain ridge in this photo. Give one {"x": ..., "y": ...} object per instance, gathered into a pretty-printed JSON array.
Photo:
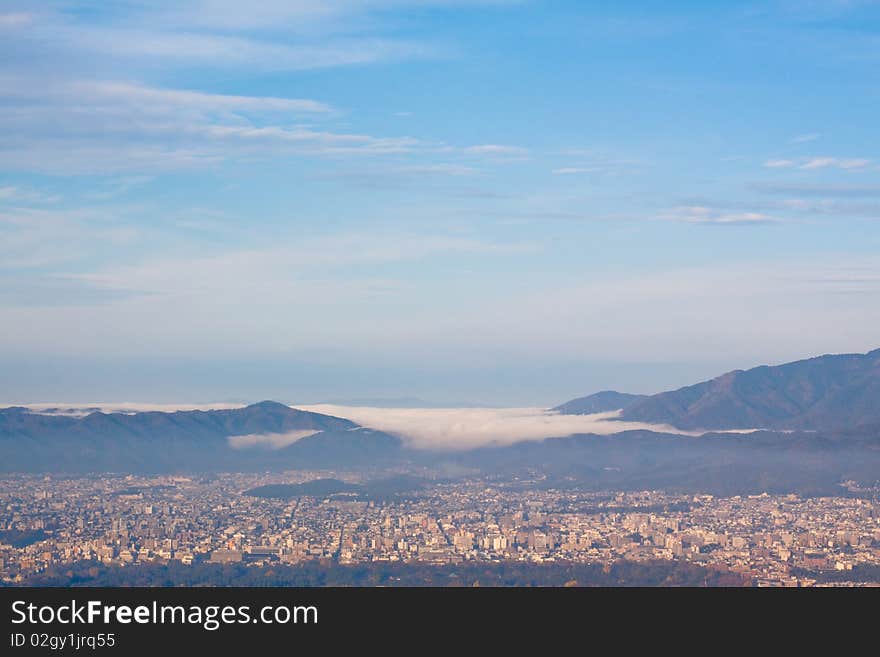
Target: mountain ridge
[
  {"x": 599, "y": 402},
  {"x": 160, "y": 441},
  {"x": 825, "y": 392}
]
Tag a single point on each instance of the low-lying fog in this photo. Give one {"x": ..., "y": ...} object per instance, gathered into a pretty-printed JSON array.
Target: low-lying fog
[
  {"x": 466, "y": 428},
  {"x": 420, "y": 428}
]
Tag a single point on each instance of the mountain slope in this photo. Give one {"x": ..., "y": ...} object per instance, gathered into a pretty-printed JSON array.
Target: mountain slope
[
  {"x": 827, "y": 392},
  {"x": 600, "y": 402},
  {"x": 183, "y": 440},
  {"x": 809, "y": 463}
]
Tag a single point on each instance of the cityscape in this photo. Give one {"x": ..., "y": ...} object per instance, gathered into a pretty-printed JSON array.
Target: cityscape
[
  {"x": 131, "y": 521},
  {"x": 313, "y": 294}
]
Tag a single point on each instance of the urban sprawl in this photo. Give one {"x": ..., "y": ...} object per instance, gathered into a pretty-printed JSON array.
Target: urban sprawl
[{"x": 132, "y": 520}]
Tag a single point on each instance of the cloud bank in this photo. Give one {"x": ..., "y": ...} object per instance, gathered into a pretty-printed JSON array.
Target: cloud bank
[
  {"x": 420, "y": 428},
  {"x": 467, "y": 428},
  {"x": 271, "y": 441}
]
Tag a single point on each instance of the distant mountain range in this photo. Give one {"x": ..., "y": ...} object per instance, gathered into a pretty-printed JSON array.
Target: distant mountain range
[
  {"x": 810, "y": 463},
  {"x": 819, "y": 421},
  {"x": 600, "y": 402},
  {"x": 184, "y": 440},
  {"x": 824, "y": 393}
]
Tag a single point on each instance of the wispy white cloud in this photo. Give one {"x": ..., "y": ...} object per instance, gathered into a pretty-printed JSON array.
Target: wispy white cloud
[
  {"x": 780, "y": 164},
  {"x": 158, "y": 98},
  {"x": 497, "y": 150},
  {"x": 315, "y": 141},
  {"x": 819, "y": 189},
  {"x": 233, "y": 15},
  {"x": 588, "y": 161},
  {"x": 87, "y": 120},
  {"x": 213, "y": 50},
  {"x": 805, "y": 138},
  {"x": 275, "y": 36},
  {"x": 13, "y": 20},
  {"x": 324, "y": 15},
  {"x": 104, "y": 95},
  {"x": 697, "y": 214},
  {"x": 434, "y": 169},
  {"x": 568, "y": 171},
  {"x": 79, "y": 157},
  {"x": 113, "y": 126},
  {"x": 117, "y": 186},
  {"x": 847, "y": 163},
  {"x": 18, "y": 194},
  {"x": 93, "y": 122},
  {"x": 833, "y": 207},
  {"x": 404, "y": 176},
  {"x": 807, "y": 163}
]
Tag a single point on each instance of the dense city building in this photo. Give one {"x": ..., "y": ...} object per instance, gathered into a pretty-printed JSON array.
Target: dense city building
[{"x": 49, "y": 521}]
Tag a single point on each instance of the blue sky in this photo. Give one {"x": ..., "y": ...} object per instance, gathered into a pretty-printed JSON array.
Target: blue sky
[{"x": 502, "y": 202}]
